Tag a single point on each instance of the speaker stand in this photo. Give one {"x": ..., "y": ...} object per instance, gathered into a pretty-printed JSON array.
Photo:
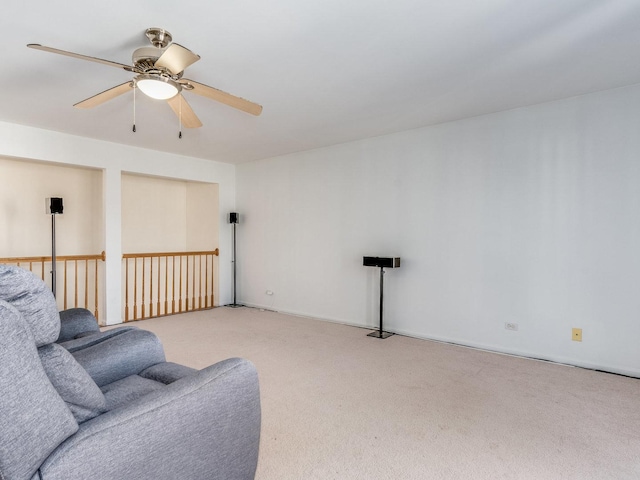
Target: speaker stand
[
  {"x": 380, "y": 333},
  {"x": 53, "y": 254},
  {"x": 234, "y": 304}
]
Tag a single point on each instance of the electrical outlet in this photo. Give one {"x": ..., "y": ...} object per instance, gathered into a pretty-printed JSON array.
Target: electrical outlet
[
  {"x": 268, "y": 292},
  {"x": 511, "y": 326},
  {"x": 576, "y": 334}
]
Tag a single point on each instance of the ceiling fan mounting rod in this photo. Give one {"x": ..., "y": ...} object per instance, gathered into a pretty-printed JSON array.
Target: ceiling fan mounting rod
[{"x": 158, "y": 37}]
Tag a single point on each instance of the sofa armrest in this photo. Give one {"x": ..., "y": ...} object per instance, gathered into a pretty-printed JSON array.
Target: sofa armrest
[
  {"x": 167, "y": 372},
  {"x": 206, "y": 425},
  {"x": 75, "y": 321}
]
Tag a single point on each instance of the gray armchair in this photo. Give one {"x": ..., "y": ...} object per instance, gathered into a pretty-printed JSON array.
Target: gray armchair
[{"x": 114, "y": 409}]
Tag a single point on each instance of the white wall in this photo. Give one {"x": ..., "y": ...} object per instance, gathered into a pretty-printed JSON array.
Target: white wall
[
  {"x": 529, "y": 216},
  {"x": 26, "y": 143}
]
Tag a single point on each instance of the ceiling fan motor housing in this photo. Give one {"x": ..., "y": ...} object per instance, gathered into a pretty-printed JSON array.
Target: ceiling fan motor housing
[{"x": 146, "y": 55}]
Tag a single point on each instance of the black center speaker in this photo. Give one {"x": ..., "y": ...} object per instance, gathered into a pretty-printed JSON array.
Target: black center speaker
[
  {"x": 384, "y": 262},
  {"x": 234, "y": 217}
]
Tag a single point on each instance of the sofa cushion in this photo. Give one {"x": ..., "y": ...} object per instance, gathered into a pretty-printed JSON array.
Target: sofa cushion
[
  {"x": 34, "y": 420},
  {"x": 73, "y": 383},
  {"x": 34, "y": 300}
]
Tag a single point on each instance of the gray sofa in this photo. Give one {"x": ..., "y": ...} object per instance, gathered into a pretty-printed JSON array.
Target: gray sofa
[{"x": 112, "y": 407}]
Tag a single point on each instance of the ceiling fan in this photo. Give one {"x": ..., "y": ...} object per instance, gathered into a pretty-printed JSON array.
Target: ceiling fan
[{"x": 159, "y": 71}]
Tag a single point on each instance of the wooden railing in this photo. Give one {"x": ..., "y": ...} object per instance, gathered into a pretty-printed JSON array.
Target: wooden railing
[
  {"x": 79, "y": 284},
  {"x": 158, "y": 284}
]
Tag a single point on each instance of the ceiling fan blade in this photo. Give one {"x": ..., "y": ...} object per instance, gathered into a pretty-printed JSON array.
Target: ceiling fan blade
[
  {"x": 223, "y": 97},
  {"x": 37, "y": 46},
  {"x": 184, "y": 111},
  {"x": 105, "y": 96},
  {"x": 176, "y": 58}
]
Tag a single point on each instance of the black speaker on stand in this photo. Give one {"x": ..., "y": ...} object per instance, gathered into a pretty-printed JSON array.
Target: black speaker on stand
[
  {"x": 382, "y": 262},
  {"x": 53, "y": 207},
  {"x": 234, "y": 219}
]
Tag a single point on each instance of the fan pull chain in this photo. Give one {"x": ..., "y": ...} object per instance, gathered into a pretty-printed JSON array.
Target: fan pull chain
[
  {"x": 180, "y": 120},
  {"x": 134, "y": 107}
]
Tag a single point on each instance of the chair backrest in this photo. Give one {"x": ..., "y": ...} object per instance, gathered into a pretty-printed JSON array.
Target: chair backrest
[
  {"x": 44, "y": 392},
  {"x": 34, "y": 419},
  {"x": 33, "y": 299}
]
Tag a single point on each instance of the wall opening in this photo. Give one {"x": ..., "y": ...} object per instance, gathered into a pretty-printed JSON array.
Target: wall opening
[{"x": 169, "y": 231}]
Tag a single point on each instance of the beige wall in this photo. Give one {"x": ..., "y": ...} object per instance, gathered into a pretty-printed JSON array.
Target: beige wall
[
  {"x": 25, "y": 229},
  {"x": 163, "y": 215},
  {"x": 202, "y": 216}
]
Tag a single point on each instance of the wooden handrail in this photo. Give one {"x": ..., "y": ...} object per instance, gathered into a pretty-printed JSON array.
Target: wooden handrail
[
  {"x": 170, "y": 254},
  {"x": 59, "y": 258}
]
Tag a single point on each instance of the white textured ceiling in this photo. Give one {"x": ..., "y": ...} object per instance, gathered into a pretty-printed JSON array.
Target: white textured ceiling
[{"x": 325, "y": 71}]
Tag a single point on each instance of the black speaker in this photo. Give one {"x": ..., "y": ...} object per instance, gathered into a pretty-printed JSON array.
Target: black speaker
[
  {"x": 234, "y": 217},
  {"x": 53, "y": 205},
  {"x": 386, "y": 262}
]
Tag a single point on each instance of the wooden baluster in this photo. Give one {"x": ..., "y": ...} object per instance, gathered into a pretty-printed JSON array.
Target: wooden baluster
[
  {"x": 95, "y": 314},
  {"x": 143, "y": 291},
  {"x": 65, "y": 284},
  {"x": 75, "y": 285},
  {"x": 158, "y": 312},
  {"x": 199, "y": 292},
  {"x": 180, "y": 289},
  {"x": 203, "y": 299},
  {"x": 213, "y": 273},
  {"x": 151, "y": 287},
  {"x": 173, "y": 285},
  {"x": 193, "y": 285},
  {"x": 206, "y": 281},
  {"x": 178, "y": 282},
  {"x": 126, "y": 289},
  {"x": 186, "y": 300},
  {"x": 211, "y": 289},
  {"x": 135, "y": 288},
  {"x": 166, "y": 284},
  {"x": 86, "y": 284}
]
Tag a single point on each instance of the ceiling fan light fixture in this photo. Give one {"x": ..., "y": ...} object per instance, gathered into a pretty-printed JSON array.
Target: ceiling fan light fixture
[{"x": 158, "y": 87}]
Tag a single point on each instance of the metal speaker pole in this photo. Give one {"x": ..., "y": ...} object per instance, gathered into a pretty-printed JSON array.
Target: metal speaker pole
[
  {"x": 234, "y": 219},
  {"x": 53, "y": 254},
  {"x": 53, "y": 207}
]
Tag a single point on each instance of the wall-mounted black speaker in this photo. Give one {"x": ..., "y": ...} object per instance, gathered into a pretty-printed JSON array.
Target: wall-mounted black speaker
[
  {"x": 234, "y": 217},
  {"x": 53, "y": 205},
  {"x": 386, "y": 262}
]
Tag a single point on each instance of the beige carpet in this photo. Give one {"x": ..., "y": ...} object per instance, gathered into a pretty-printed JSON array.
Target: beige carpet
[{"x": 337, "y": 404}]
